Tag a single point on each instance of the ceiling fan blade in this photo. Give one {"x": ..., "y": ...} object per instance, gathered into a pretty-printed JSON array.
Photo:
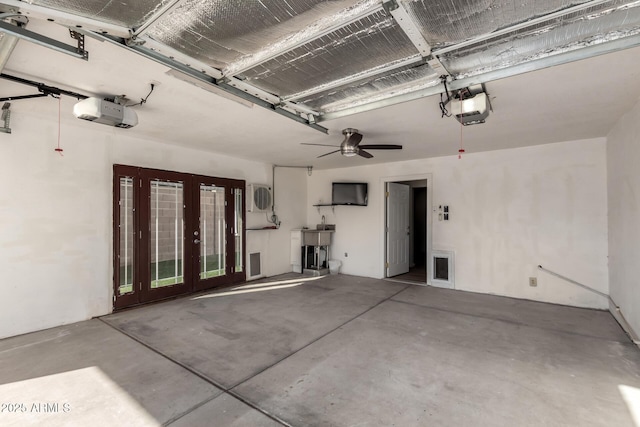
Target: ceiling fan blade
[
  {"x": 364, "y": 154},
  {"x": 381, "y": 147},
  {"x": 321, "y": 145},
  {"x": 353, "y": 139},
  {"x": 330, "y": 152}
]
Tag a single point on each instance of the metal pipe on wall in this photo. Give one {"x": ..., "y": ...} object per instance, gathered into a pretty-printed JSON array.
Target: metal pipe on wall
[
  {"x": 274, "y": 217},
  {"x": 613, "y": 307}
]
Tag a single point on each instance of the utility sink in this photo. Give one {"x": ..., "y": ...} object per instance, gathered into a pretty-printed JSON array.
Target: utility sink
[
  {"x": 331, "y": 227},
  {"x": 316, "y": 237}
]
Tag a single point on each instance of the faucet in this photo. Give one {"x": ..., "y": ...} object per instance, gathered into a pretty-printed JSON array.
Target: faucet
[{"x": 323, "y": 220}]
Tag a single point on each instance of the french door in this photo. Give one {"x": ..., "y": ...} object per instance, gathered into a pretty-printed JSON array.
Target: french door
[{"x": 175, "y": 233}]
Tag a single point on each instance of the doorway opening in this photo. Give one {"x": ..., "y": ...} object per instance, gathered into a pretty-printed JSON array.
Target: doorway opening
[{"x": 407, "y": 234}]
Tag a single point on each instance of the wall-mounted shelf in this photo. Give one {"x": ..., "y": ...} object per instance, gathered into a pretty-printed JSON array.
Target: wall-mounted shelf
[
  {"x": 332, "y": 206},
  {"x": 326, "y": 205}
]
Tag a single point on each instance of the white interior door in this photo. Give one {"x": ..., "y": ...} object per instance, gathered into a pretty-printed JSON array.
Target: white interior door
[{"x": 398, "y": 230}]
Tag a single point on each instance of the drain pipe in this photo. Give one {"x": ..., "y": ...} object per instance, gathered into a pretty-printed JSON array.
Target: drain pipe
[
  {"x": 620, "y": 317},
  {"x": 574, "y": 282},
  {"x": 274, "y": 218}
]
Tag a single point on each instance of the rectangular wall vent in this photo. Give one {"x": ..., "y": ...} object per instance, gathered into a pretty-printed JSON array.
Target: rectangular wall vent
[
  {"x": 442, "y": 269},
  {"x": 255, "y": 265}
]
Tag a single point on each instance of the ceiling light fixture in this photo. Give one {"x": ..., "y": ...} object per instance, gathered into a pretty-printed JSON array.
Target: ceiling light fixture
[{"x": 349, "y": 151}]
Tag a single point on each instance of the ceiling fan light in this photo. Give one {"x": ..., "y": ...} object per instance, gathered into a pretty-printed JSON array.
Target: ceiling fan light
[{"x": 348, "y": 150}]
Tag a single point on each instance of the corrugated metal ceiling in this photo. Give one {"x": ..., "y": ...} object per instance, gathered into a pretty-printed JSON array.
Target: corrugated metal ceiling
[
  {"x": 332, "y": 55},
  {"x": 128, "y": 14}
]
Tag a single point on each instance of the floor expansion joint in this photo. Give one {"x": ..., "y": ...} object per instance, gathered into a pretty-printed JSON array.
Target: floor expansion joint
[{"x": 229, "y": 390}]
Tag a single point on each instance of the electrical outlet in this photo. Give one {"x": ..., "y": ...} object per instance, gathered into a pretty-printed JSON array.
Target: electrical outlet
[{"x": 533, "y": 281}]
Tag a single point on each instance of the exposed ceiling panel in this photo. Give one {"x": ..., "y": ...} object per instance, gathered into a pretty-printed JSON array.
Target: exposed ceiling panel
[
  {"x": 583, "y": 99},
  {"x": 323, "y": 59},
  {"x": 444, "y": 23},
  {"x": 392, "y": 83},
  {"x": 126, "y": 13},
  {"x": 599, "y": 24},
  {"x": 221, "y": 32},
  {"x": 359, "y": 46}
]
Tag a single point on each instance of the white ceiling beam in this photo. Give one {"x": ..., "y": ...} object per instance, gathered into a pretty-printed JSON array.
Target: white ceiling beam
[
  {"x": 176, "y": 55},
  {"x": 404, "y": 21},
  {"x": 251, "y": 90},
  {"x": 248, "y": 93},
  {"x": 412, "y": 31},
  {"x": 354, "y": 78},
  {"x": 7, "y": 44},
  {"x": 39, "y": 39},
  {"x": 167, "y": 8},
  {"x": 208, "y": 86},
  {"x": 66, "y": 19},
  {"x": 216, "y": 74},
  {"x": 409, "y": 27},
  {"x": 286, "y": 47}
]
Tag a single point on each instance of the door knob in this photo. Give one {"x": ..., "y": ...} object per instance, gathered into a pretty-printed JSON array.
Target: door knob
[{"x": 196, "y": 241}]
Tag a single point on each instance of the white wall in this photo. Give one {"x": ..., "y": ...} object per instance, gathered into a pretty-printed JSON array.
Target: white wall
[
  {"x": 56, "y": 212},
  {"x": 623, "y": 158},
  {"x": 511, "y": 210},
  {"x": 290, "y": 197}
]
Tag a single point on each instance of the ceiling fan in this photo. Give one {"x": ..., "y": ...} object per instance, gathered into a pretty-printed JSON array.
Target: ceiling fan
[{"x": 350, "y": 146}]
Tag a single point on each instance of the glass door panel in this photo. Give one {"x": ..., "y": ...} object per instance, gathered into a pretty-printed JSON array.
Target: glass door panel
[
  {"x": 238, "y": 229},
  {"x": 212, "y": 247},
  {"x": 166, "y": 233},
  {"x": 174, "y": 233},
  {"x": 127, "y": 233}
]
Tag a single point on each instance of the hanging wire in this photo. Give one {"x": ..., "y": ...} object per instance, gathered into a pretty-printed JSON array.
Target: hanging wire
[
  {"x": 443, "y": 103},
  {"x": 58, "y": 149},
  {"x": 144, "y": 100},
  {"x": 461, "y": 150},
  {"x": 443, "y": 107}
]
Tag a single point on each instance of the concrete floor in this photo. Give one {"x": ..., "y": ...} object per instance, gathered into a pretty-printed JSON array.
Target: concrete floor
[{"x": 331, "y": 351}]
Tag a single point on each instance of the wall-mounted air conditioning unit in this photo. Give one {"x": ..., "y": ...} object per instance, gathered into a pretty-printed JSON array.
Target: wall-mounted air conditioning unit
[{"x": 260, "y": 198}]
